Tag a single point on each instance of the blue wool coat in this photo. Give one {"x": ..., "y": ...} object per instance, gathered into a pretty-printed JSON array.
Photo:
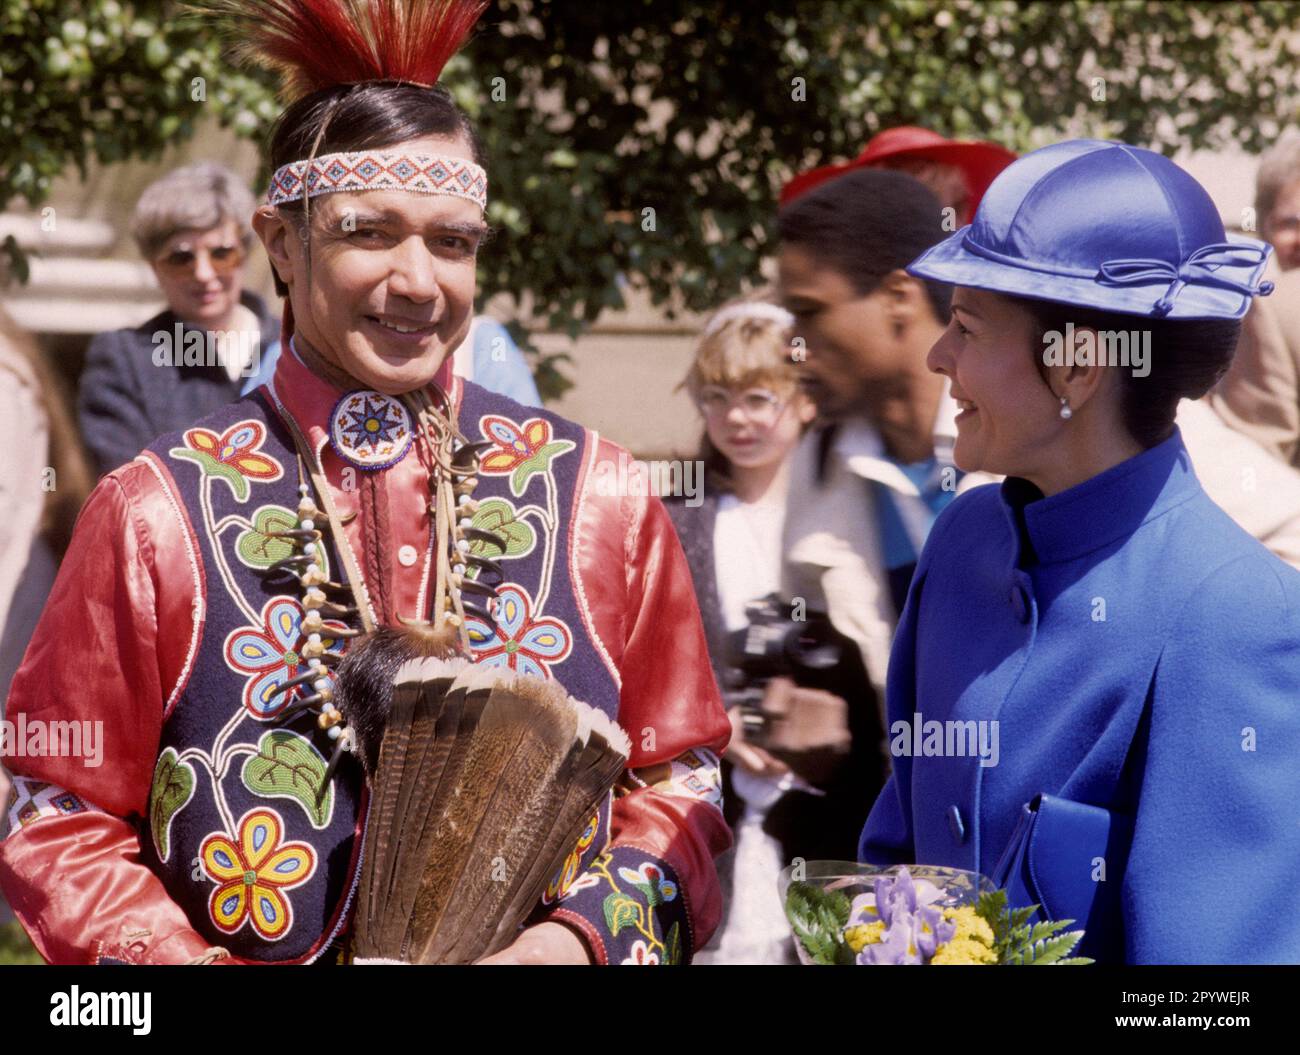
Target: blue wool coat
[{"x": 1139, "y": 652}]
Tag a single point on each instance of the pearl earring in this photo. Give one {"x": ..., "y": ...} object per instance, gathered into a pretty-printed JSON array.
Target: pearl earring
[{"x": 1066, "y": 412}]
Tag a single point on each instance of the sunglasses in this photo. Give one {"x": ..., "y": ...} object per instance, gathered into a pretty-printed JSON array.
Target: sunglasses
[
  {"x": 1285, "y": 224},
  {"x": 180, "y": 262}
]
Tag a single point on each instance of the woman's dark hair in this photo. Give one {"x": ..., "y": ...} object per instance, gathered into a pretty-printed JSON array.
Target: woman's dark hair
[
  {"x": 367, "y": 116},
  {"x": 866, "y": 225},
  {"x": 1188, "y": 356}
]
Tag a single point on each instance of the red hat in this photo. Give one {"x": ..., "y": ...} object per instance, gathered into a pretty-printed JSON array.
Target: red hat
[{"x": 980, "y": 162}]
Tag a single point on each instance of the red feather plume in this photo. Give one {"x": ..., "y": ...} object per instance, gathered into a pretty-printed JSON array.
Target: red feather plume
[{"x": 316, "y": 44}]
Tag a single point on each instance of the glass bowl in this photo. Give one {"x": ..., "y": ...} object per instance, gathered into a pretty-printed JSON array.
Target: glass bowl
[{"x": 957, "y": 886}]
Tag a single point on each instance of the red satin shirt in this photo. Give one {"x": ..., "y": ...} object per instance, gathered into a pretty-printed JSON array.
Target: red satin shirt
[{"x": 116, "y": 640}]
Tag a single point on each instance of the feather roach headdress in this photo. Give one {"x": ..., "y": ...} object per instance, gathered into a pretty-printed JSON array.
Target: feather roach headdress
[
  {"x": 480, "y": 780},
  {"x": 315, "y": 44},
  {"x": 318, "y": 45}
]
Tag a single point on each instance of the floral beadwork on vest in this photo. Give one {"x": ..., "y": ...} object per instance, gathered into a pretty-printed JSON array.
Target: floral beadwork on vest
[{"x": 262, "y": 864}]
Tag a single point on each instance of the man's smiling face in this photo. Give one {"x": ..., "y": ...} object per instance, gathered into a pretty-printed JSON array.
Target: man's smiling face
[{"x": 390, "y": 289}]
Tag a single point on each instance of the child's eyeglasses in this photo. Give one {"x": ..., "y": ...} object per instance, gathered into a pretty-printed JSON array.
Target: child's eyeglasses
[{"x": 759, "y": 405}]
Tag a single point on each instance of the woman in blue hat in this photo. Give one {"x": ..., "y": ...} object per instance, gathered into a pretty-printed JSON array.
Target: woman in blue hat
[{"x": 1094, "y": 693}]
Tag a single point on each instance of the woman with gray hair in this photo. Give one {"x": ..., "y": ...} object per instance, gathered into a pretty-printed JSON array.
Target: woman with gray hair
[
  {"x": 1277, "y": 199},
  {"x": 1260, "y": 395},
  {"x": 192, "y": 225}
]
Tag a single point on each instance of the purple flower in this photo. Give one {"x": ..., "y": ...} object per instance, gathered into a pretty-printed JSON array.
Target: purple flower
[
  {"x": 863, "y": 910},
  {"x": 914, "y": 925},
  {"x": 896, "y": 946},
  {"x": 932, "y": 930}
]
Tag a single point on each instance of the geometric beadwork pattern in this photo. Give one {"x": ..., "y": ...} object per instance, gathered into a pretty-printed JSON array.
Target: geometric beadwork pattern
[
  {"x": 370, "y": 430},
  {"x": 375, "y": 170},
  {"x": 30, "y": 800}
]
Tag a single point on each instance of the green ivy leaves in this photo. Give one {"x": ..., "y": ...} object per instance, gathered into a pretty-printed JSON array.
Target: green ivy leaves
[
  {"x": 172, "y": 789},
  {"x": 258, "y": 546},
  {"x": 499, "y": 516},
  {"x": 286, "y": 766},
  {"x": 622, "y": 911}
]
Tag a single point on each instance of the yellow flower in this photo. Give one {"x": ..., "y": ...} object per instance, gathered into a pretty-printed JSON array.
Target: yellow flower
[
  {"x": 963, "y": 952},
  {"x": 970, "y": 925},
  {"x": 864, "y": 934}
]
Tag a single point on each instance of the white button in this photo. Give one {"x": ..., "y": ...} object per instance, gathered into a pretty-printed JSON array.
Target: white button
[{"x": 406, "y": 556}]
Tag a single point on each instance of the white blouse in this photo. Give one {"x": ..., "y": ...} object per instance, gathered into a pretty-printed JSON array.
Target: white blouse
[{"x": 747, "y": 552}]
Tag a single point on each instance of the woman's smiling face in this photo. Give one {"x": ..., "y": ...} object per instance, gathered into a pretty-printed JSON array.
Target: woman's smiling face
[
  {"x": 205, "y": 292},
  {"x": 1009, "y": 419},
  {"x": 390, "y": 291}
]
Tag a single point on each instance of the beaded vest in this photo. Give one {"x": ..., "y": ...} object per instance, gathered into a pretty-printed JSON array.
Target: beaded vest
[{"x": 263, "y": 862}]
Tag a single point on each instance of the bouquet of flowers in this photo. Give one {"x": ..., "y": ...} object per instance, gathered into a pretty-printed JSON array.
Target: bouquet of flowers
[{"x": 938, "y": 916}]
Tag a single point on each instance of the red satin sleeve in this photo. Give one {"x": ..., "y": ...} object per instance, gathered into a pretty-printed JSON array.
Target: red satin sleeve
[
  {"x": 638, "y": 589},
  {"x": 70, "y": 862},
  {"x": 668, "y": 684}
]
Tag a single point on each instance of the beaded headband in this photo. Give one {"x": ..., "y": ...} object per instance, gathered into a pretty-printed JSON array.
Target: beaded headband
[{"x": 376, "y": 170}]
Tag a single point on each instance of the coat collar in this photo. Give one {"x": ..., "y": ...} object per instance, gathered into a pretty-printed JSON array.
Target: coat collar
[
  {"x": 859, "y": 445},
  {"x": 311, "y": 399},
  {"x": 1105, "y": 509}
]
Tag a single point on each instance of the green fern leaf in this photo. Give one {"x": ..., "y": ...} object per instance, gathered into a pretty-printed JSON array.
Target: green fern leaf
[
  {"x": 1051, "y": 950},
  {"x": 818, "y": 917},
  {"x": 1047, "y": 929}
]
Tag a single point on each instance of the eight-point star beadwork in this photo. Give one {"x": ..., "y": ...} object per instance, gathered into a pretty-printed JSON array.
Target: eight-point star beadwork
[{"x": 370, "y": 430}]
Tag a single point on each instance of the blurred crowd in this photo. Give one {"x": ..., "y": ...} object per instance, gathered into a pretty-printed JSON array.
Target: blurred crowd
[{"x": 826, "y": 440}]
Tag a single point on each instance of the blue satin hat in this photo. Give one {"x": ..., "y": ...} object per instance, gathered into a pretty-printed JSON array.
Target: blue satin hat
[{"x": 1103, "y": 225}]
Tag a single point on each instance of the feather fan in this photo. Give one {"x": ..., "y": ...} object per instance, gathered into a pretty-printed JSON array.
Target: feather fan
[{"x": 482, "y": 781}]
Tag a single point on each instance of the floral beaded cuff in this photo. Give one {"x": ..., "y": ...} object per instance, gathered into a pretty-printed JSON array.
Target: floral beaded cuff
[{"x": 630, "y": 908}]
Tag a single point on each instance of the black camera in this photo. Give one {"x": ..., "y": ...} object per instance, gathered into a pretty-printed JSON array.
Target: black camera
[{"x": 775, "y": 644}]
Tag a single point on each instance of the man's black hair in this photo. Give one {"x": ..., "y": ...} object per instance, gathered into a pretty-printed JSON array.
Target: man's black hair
[
  {"x": 1187, "y": 359},
  {"x": 866, "y": 224}
]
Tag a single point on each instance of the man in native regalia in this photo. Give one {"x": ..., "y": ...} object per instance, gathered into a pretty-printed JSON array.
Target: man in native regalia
[{"x": 214, "y": 583}]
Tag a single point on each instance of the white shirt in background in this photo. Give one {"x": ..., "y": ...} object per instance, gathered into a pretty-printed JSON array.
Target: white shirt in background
[
  {"x": 747, "y": 551},
  {"x": 747, "y": 564}
]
